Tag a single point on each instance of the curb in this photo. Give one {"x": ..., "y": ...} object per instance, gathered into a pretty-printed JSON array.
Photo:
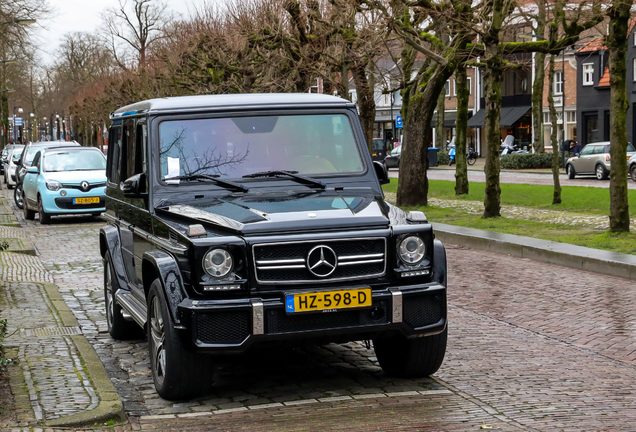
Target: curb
[
  {"x": 110, "y": 406},
  {"x": 577, "y": 257},
  {"x": 19, "y": 245}
]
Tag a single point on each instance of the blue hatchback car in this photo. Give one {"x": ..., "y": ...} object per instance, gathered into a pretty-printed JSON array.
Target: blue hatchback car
[{"x": 66, "y": 180}]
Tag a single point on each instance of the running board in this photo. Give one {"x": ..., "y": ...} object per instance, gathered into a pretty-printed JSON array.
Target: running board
[{"x": 133, "y": 306}]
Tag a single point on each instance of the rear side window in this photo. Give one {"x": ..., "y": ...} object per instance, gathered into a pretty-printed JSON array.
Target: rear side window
[
  {"x": 588, "y": 150},
  {"x": 114, "y": 154}
]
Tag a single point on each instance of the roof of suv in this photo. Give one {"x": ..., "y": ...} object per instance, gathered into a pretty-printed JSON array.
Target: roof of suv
[{"x": 240, "y": 101}]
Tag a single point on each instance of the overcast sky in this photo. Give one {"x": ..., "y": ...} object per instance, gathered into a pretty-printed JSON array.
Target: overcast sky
[{"x": 86, "y": 16}]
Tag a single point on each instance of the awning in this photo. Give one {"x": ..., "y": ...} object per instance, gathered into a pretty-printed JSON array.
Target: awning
[
  {"x": 449, "y": 119},
  {"x": 509, "y": 115}
]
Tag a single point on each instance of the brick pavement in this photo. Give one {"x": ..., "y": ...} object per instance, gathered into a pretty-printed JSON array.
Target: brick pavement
[{"x": 532, "y": 347}]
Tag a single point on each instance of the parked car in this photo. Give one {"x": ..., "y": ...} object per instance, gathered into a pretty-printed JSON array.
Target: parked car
[
  {"x": 393, "y": 159},
  {"x": 67, "y": 180},
  {"x": 594, "y": 159},
  {"x": 3, "y": 157},
  {"x": 379, "y": 149},
  {"x": 13, "y": 157},
  {"x": 238, "y": 221},
  {"x": 29, "y": 152},
  {"x": 631, "y": 167}
]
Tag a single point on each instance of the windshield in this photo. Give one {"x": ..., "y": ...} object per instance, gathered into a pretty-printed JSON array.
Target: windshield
[
  {"x": 234, "y": 147},
  {"x": 17, "y": 153},
  {"x": 378, "y": 144},
  {"x": 74, "y": 161}
]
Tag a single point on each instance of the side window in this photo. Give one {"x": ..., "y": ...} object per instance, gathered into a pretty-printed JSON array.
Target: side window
[
  {"x": 114, "y": 153},
  {"x": 36, "y": 160},
  {"x": 587, "y": 150},
  {"x": 128, "y": 160},
  {"x": 599, "y": 149},
  {"x": 141, "y": 164}
]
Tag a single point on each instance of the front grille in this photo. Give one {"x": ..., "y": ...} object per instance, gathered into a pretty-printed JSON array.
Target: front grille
[
  {"x": 422, "y": 311},
  {"x": 79, "y": 186},
  {"x": 67, "y": 203},
  {"x": 223, "y": 327},
  {"x": 277, "y": 321},
  {"x": 287, "y": 262}
]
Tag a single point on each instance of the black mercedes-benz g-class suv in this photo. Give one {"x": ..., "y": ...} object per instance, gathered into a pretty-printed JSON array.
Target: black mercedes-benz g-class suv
[{"x": 242, "y": 220}]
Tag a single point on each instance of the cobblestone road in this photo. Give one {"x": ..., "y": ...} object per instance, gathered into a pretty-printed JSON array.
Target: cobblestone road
[{"x": 531, "y": 347}]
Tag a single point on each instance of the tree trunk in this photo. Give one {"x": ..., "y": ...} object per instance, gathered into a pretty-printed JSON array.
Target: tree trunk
[
  {"x": 440, "y": 142},
  {"x": 366, "y": 100},
  {"x": 413, "y": 180},
  {"x": 556, "y": 197},
  {"x": 5, "y": 118},
  {"x": 493, "y": 75},
  {"x": 461, "y": 171},
  {"x": 619, "y": 13},
  {"x": 539, "y": 80}
]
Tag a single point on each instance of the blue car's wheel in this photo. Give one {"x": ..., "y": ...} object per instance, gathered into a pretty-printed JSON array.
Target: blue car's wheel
[{"x": 42, "y": 216}]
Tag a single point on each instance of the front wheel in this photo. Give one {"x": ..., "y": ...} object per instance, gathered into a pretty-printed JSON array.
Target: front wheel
[
  {"x": 42, "y": 216},
  {"x": 471, "y": 160},
  {"x": 571, "y": 172},
  {"x": 28, "y": 213},
  {"x": 601, "y": 172},
  {"x": 176, "y": 372},
  {"x": 17, "y": 196},
  {"x": 632, "y": 173},
  {"x": 411, "y": 358}
]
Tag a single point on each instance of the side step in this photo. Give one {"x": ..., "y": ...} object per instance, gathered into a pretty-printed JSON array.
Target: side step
[{"x": 131, "y": 304}]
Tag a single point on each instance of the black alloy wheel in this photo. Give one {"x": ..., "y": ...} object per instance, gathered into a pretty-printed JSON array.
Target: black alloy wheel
[{"x": 118, "y": 327}]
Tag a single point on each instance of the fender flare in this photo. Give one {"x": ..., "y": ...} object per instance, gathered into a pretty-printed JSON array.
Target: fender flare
[
  {"x": 167, "y": 270},
  {"x": 439, "y": 262},
  {"x": 109, "y": 242}
]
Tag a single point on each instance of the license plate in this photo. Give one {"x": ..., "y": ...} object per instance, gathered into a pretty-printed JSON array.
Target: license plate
[
  {"x": 328, "y": 301},
  {"x": 89, "y": 200}
]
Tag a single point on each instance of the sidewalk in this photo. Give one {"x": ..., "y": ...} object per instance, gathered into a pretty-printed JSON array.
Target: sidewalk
[{"x": 57, "y": 378}]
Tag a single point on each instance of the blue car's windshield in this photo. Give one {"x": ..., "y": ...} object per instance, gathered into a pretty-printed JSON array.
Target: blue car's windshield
[
  {"x": 74, "y": 160},
  {"x": 238, "y": 146}
]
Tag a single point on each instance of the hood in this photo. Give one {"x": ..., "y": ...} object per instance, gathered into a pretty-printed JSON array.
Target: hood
[
  {"x": 76, "y": 177},
  {"x": 260, "y": 213}
]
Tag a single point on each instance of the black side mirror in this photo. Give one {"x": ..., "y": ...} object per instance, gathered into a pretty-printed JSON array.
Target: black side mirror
[
  {"x": 135, "y": 186},
  {"x": 381, "y": 172}
]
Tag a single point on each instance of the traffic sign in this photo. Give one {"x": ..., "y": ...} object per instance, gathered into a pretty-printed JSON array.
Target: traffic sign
[
  {"x": 398, "y": 122},
  {"x": 19, "y": 121}
]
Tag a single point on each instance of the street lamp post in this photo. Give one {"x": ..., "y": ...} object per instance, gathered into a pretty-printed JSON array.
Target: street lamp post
[{"x": 15, "y": 127}]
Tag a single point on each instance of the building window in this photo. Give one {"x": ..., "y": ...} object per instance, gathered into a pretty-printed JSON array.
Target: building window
[
  {"x": 588, "y": 74},
  {"x": 571, "y": 116},
  {"x": 454, "y": 87},
  {"x": 447, "y": 88},
  {"x": 470, "y": 85},
  {"x": 546, "y": 118},
  {"x": 558, "y": 83},
  {"x": 634, "y": 67}
]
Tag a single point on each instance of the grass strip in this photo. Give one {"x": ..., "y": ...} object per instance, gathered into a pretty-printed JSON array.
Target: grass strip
[
  {"x": 577, "y": 199},
  {"x": 570, "y": 234}
]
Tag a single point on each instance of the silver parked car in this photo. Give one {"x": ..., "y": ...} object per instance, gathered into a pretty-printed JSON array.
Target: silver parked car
[
  {"x": 631, "y": 167},
  {"x": 594, "y": 159}
]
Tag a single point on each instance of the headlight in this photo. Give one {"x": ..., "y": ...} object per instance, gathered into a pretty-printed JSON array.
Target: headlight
[
  {"x": 217, "y": 263},
  {"x": 412, "y": 250},
  {"x": 53, "y": 185}
]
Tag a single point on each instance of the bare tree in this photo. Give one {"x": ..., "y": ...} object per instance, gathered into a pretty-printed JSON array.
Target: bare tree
[{"x": 135, "y": 25}]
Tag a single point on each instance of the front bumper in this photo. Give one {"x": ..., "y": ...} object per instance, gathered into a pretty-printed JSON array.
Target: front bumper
[{"x": 233, "y": 326}]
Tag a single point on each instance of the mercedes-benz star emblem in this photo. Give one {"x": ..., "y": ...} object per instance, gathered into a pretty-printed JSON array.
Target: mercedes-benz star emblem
[
  {"x": 322, "y": 261},
  {"x": 84, "y": 186}
]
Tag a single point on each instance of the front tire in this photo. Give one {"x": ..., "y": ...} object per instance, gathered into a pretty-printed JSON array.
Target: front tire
[
  {"x": 411, "y": 358},
  {"x": 17, "y": 196},
  {"x": 118, "y": 327},
  {"x": 632, "y": 173},
  {"x": 176, "y": 372},
  {"x": 42, "y": 216},
  {"x": 601, "y": 172},
  {"x": 471, "y": 160},
  {"x": 28, "y": 213},
  {"x": 570, "y": 171}
]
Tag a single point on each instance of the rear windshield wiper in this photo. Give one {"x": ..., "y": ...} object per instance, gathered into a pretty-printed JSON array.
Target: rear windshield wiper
[
  {"x": 224, "y": 183},
  {"x": 291, "y": 174}
]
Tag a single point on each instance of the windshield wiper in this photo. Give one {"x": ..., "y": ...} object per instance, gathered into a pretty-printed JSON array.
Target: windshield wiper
[
  {"x": 291, "y": 174},
  {"x": 225, "y": 183}
]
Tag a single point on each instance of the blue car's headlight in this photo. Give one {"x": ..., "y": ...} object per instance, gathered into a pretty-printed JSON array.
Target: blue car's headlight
[{"x": 53, "y": 185}]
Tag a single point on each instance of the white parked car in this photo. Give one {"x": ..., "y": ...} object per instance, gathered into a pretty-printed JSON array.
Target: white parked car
[{"x": 13, "y": 156}]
